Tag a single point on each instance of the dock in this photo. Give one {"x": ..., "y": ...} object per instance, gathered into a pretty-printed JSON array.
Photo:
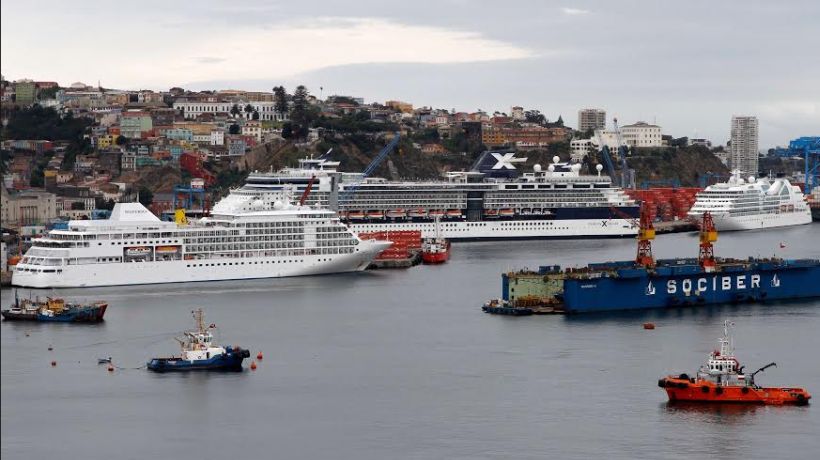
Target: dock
[{"x": 405, "y": 262}]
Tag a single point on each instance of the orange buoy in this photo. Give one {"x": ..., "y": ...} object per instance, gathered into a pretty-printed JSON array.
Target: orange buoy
[
  {"x": 53, "y": 363},
  {"x": 110, "y": 368},
  {"x": 253, "y": 365},
  {"x": 649, "y": 325},
  {"x": 259, "y": 356}
]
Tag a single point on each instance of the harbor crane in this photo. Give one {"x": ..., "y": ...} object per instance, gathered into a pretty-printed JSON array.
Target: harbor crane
[
  {"x": 380, "y": 157},
  {"x": 646, "y": 233},
  {"x": 626, "y": 178},
  {"x": 708, "y": 235}
]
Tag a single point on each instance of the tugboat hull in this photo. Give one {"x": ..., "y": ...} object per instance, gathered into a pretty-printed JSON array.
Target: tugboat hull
[
  {"x": 230, "y": 361},
  {"x": 692, "y": 390}
]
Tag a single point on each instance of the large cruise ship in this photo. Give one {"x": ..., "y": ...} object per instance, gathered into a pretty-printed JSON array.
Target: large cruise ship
[
  {"x": 248, "y": 235},
  {"x": 492, "y": 200},
  {"x": 746, "y": 204}
]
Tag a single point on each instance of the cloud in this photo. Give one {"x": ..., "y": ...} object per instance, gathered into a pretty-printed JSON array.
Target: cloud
[
  {"x": 298, "y": 47},
  {"x": 209, "y": 59},
  {"x": 574, "y": 11}
]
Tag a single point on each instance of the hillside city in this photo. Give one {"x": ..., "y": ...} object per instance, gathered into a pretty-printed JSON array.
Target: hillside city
[{"x": 71, "y": 152}]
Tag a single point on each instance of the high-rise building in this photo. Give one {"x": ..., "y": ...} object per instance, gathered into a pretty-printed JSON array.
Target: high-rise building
[
  {"x": 743, "y": 153},
  {"x": 591, "y": 119}
]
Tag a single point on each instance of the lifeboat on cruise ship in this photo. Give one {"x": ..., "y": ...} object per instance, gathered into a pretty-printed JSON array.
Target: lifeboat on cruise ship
[
  {"x": 167, "y": 249},
  {"x": 342, "y": 214},
  {"x": 722, "y": 380},
  {"x": 355, "y": 215},
  {"x": 454, "y": 213},
  {"x": 396, "y": 214},
  {"x": 506, "y": 212},
  {"x": 491, "y": 213},
  {"x": 137, "y": 251},
  {"x": 417, "y": 213},
  {"x": 375, "y": 214},
  {"x": 436, "y": 213}
]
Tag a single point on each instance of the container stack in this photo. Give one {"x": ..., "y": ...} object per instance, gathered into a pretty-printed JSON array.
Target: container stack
[
  {"x": 405, "y": 243},
  {"x": 666, "y": 204}
]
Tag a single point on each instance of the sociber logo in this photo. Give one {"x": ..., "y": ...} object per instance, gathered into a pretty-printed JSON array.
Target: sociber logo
[
  {"x": 650, "y": 289},
  {"x": 717, "y": 283}
]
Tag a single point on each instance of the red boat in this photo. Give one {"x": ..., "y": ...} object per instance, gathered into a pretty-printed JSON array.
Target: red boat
[
  {"x": 435, "y": 250},
  {"x": 721, "y": 380}
]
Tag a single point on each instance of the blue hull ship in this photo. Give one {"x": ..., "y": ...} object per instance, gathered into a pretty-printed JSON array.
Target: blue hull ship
[
  {"x": 644, "y": 283},
  {"x": 231, "y": 360},
  {"x": 676, "y": 283},
  {"x": 199, "y": 353}
]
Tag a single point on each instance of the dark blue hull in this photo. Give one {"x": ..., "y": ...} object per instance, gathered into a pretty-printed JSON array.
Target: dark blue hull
[
  {"x": 688, "y": 285},
  {"x": 231, "y": 361}
]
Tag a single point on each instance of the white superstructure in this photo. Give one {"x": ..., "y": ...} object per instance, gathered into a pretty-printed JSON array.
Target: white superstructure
[
  {"x": 745, "y": 204},
  {"x": 248, "y": 235}
]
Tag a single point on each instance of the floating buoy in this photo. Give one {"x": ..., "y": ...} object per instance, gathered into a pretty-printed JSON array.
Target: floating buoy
[
  {"x": 53, "y": 363},
  {"x": 110, "y": 368},
  {"x": 253, "y": 365},
  {"x": 259, "y": 356},
  {"x": 50, "y": 348},
  {"x": 649, "y": 325}
]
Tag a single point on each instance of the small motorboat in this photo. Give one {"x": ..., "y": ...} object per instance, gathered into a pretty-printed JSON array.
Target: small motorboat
[
  {"x": 722, "y": 380},
  {"x": 435, "y": 250},
  {"x": 104, "y": 360},
  {"x": 200, "y": 353}
]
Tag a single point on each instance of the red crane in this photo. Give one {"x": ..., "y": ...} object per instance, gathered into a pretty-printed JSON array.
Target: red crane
[
  {"x": 306, "y": 193},
  {"x": 646, "y": 233},
  {"x": 708, "y": 235}
]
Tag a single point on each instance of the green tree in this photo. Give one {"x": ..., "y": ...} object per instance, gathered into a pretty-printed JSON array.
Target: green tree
[
  {"x": 255, "y": 115},
  {"x": 235, "y": 110},
  {"x": 280, "y": 99},
  {"x": 248, "y": 109},
  {"x": 287, "y": 131},
  {"x": 122, "y": 140},
  {"x": 234, "y": 129}
]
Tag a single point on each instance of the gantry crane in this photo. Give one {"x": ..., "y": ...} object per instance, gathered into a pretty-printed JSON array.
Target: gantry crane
[{"x": 708, "y": 235}]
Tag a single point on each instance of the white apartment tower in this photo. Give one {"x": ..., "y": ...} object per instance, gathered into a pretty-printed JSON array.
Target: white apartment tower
[
  {"x": 743, "y": 154},
  {"x": 591, "y": 119}
]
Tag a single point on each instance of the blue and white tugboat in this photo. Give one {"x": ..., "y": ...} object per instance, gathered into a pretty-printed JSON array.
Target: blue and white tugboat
[{"x": 200, "y": 353}]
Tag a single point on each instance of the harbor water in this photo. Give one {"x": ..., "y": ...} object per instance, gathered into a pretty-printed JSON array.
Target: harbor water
[{"x": 402, "y": 364}]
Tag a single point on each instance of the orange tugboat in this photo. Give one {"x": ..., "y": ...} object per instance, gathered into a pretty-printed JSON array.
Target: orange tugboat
[{"x": 721, "y": 380}]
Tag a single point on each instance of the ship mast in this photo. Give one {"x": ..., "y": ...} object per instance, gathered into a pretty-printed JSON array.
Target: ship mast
[
  {"x": 199, "y": 317},
  {"x": 708, "y": 235}
]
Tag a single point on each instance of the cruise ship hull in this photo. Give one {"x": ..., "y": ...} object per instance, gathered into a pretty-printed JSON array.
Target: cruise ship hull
[
  {"x": 725, "y": 222},
  {"x": 182, "y": 271},
  {"x": 488, "y": 230}
]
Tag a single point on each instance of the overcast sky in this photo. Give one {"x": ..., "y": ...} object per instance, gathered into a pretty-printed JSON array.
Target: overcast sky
[{"x": 687, "y": 65}]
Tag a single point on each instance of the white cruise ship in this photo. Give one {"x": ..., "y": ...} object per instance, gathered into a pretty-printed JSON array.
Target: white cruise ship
[
  {"x": 492, "y": 201},
  {"x": 746, "y": 204},
  {"x": 247, "y": 236}
]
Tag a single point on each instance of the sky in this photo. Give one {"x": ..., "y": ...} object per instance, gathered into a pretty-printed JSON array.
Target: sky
[{"x": 688, "y": 65}]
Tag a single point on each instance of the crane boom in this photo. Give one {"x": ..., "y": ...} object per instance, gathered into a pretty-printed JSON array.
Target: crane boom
[{"x": 348, "y": 193}]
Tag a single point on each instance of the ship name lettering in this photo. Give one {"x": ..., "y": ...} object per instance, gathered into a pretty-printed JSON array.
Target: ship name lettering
[{"x": 702, "y": 284}]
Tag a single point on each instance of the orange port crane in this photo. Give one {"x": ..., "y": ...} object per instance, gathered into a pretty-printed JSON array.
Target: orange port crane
[
  {"x": 708, "y": 235},
  {"x": 646, "y": 233},
  {"x": 306, "y": 193}
]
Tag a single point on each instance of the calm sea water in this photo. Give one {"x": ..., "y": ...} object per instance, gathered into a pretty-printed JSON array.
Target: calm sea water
[{"x": 403, "y": 364}]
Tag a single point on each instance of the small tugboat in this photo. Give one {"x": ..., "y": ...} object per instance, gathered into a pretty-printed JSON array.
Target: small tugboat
[
  {"x": 200, "y": 353},
  {"x": 435, "y": 250},
  {"x": 55, "y": 310},
  {"x": 721, "y": 380}
]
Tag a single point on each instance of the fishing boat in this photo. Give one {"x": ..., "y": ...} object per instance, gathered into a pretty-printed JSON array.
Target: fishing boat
[
  {"x": 200, "y": 353},
  {"x": 722, "y": 380},
  {"x": 55, "y": 310},
  {"x": 435, "y": 250}
]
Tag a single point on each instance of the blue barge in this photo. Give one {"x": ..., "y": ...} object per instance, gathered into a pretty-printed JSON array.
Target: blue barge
[{"x": 644, "y": 283}]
